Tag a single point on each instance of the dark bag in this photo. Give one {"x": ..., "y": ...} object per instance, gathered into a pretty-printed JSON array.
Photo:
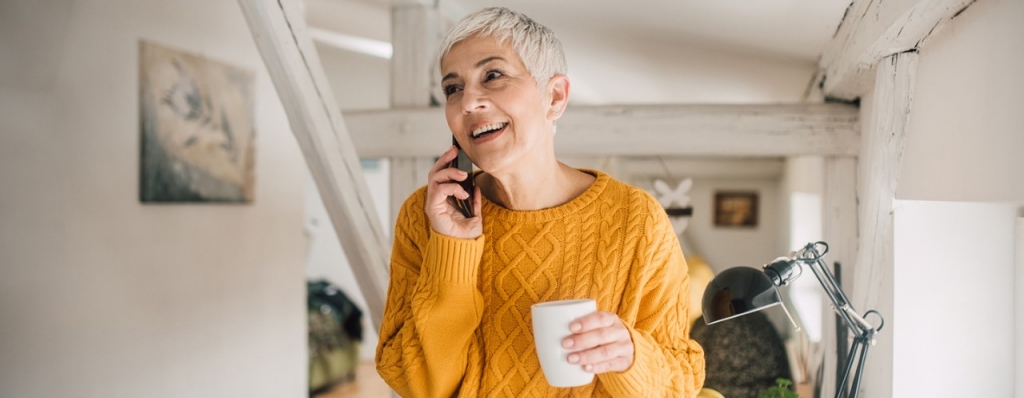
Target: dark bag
[{"x": 329, "y": 299}]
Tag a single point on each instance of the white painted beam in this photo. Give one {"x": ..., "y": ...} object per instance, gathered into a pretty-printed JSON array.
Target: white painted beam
[
  {"x": 279, "y": 30},
  {"x": 674, "y": 168},
  {"x": 839, "y": 229},
  {"x": 839, "y": 215},
  {"x": 872, "y": 30},
  {"x": 707, "y": 130},
  {"x": 879, "y": 169},
  {"x": 416, "y": 34}
]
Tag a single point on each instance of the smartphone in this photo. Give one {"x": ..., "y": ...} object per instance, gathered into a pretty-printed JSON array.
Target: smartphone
[{"x": 462, "y": 162}]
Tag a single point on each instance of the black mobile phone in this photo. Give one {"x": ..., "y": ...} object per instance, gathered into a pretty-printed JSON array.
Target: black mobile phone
[{"x": 463, "y": 163}]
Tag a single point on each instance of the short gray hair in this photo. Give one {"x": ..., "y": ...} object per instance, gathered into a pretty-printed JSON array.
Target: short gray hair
[{"x": 536, "y": 45}]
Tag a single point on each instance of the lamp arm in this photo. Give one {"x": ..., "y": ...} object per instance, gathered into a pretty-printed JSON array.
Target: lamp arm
[
  {"x": 864, "y": 331},
  {"x": 813, "y": 258}
]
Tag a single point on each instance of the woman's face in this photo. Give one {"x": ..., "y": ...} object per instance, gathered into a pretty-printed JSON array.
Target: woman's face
[{"x": 493, "y": 105}]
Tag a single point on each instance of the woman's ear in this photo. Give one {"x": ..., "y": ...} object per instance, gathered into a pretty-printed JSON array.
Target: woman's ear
[{"x": 558, "y": 88}]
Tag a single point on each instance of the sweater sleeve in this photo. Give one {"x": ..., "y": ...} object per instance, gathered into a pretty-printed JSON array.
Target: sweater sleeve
[
  {"x": 433, "y": 307},
  {"x": 666, "y": 362}
]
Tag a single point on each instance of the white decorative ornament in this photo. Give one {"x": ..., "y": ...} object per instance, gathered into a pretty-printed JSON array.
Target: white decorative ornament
[{"x": 678, "y": 196}]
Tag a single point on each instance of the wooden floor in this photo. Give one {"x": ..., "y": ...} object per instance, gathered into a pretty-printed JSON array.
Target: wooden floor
[{"x": 367, "y": 384}]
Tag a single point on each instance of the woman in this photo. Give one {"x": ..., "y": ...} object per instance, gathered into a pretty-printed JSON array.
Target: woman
[{"x": 457, "y": 321}]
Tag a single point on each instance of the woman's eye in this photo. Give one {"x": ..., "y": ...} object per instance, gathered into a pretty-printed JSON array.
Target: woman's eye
[
  {"x": 450, "y": 89},
  {"x": 491, "y": 75}
]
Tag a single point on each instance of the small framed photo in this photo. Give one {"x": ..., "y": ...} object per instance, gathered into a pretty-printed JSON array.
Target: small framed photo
[{"x": 736, "y": 209}]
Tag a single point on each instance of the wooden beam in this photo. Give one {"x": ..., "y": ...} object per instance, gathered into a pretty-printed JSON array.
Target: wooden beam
[
  {"x": 679, "y": 168},
  {"x": 726, "y": 130},
  {"x": 675, "y": 168},
  {"x": 839, "y": 215},
  {"x": 839, "y": 229},
  {"x": 879, "y": 170},
  {"x": 279, "y": 30},
  {"x": 872, "y": 30},
  {"x": 416, "y": 35}
]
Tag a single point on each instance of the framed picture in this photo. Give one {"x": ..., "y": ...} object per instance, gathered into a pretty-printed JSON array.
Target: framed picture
[
  {"x": 736, "y": 209},
  {"x": 196, "y": 121}
]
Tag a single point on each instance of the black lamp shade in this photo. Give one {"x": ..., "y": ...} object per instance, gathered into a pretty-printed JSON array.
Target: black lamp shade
[{"x": 738, "y": 291}]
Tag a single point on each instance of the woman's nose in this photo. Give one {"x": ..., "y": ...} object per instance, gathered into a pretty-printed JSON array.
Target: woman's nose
[{"x": 474, "y": 100}]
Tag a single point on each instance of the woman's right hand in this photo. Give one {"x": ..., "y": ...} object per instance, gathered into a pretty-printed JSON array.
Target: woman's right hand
[{"x": 444, "y": 217}]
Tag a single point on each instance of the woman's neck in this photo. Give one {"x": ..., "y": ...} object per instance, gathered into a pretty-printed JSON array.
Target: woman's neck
[{"x": 540, "y": 188}]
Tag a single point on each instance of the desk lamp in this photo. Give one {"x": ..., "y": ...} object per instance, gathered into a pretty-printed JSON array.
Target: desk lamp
[{"x": 743, "y": 290}]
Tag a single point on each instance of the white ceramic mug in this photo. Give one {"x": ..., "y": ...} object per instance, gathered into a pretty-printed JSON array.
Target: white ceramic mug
[{"x": 550, "y": 326}]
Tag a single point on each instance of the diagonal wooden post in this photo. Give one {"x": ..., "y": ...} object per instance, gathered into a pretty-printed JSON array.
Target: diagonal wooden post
[{"x": 279, "y": 30}]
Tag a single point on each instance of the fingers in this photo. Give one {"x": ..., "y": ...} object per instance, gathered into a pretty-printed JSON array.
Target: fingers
[
  {"x": 445, "y": 176},
  {"x": 441, "y": 172},
  {"x": 601, "y": 343},
  {"x": 596, "y": 320},
  {"x": 604, "y": 333},
  {"x": 443, "y": 191},
  {"x": 443, "y": 161},
  {"x": 439, "y": 186},
  {"x": 613, "y": 356},
  {"x": 619, "y": 364},
  {"x": 442, "y": 211}
]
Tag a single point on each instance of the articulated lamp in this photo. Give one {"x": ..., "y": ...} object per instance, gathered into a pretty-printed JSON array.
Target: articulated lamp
[{"x": 743, "y": 290}]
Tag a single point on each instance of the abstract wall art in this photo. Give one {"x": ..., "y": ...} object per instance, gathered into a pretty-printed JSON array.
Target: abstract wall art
[{"x": 197, "y": 128}]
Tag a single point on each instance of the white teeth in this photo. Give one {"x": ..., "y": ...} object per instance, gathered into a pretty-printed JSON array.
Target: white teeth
[{"x": 488, "y": 128}]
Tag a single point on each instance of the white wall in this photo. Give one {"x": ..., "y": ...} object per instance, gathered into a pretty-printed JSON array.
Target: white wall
[
  {"x": 964, "y": 144},
  {"x": 965, "y": 141},
  {"x": 952, "y": 321},
  {"x": 663, "y": 70},
  {"x": 358, "y": 81},
  {"x": 101, "y": 296},
  {"x": 1019, "y": 308}
]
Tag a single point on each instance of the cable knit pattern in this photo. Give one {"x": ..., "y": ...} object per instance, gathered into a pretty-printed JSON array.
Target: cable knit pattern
[{"x": 457, "y": 321}]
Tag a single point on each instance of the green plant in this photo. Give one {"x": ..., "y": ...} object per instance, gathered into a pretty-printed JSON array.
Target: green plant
[{"x": 781, "y": 390}]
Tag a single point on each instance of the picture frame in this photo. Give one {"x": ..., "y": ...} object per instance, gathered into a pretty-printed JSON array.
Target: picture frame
[
  {"x": 197, "y": 128},
  {"x": 736, "y": 209}
]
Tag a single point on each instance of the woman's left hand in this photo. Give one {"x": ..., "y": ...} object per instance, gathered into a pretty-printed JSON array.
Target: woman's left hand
[{"x": 601, "y": 343}]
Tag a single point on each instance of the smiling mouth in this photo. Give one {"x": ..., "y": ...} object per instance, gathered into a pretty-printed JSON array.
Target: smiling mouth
[{"x": 488, "y": 129}]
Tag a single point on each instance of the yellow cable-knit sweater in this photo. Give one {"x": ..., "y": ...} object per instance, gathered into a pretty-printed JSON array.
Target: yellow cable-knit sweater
[{"x": 457, "y": 320}]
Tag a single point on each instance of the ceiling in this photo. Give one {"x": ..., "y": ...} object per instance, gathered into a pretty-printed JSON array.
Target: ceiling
[
  {"x": 654, "y": 51},
  {"x": 794, "y": 29}
]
